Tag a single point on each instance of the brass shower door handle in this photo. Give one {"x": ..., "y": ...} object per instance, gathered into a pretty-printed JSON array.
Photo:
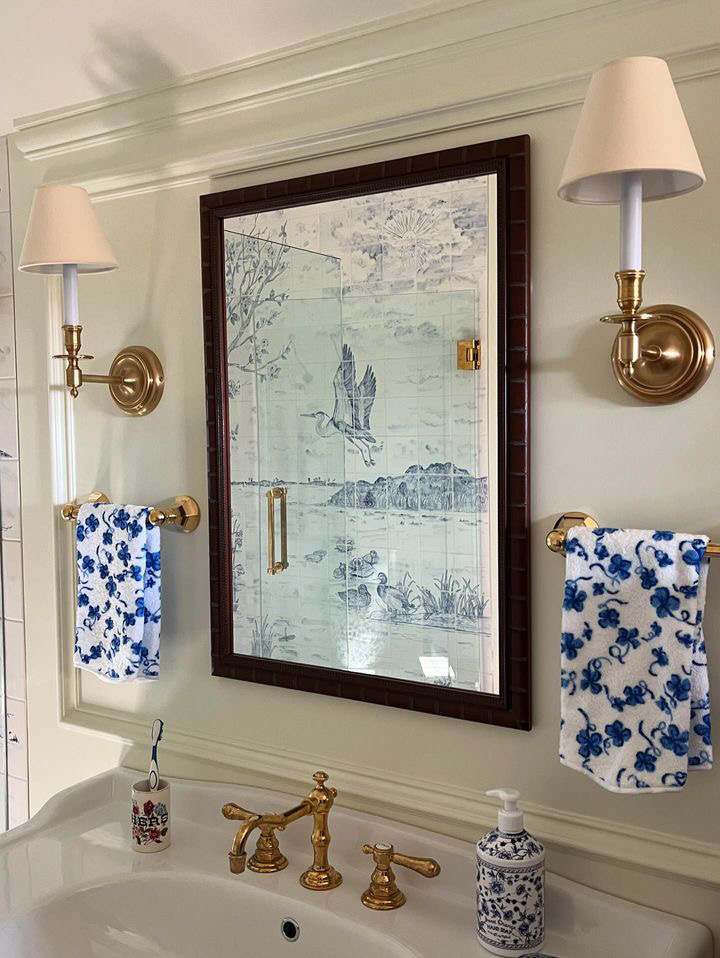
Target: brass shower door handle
[{"x": 278, "y": 492}]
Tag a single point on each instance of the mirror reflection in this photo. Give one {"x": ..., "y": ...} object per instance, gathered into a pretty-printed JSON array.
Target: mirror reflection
[{"x": 362, "y": 458}]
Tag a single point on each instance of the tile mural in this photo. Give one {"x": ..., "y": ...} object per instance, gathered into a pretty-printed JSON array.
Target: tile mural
[{"x": 342, "y": 324}]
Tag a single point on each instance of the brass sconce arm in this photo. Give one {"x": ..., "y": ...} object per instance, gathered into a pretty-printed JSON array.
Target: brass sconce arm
[
  {"x": 383, "y": 893},
  {"x": 136, "y": 377}
]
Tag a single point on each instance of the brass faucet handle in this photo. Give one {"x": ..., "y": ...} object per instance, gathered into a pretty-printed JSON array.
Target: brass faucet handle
[
  {"x": 237, "y": 814},
  {"x": 427, "y": 867},
  {"x": 383, "y": 893}
]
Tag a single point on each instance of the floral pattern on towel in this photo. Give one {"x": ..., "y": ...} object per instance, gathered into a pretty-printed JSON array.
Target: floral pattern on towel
[
  {"x": 634, "y": 679},
  {"x": 117, "y": 632}
]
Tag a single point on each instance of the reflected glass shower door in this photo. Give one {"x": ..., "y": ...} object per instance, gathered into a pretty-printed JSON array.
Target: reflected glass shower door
[{"x": 302, "y": 430}]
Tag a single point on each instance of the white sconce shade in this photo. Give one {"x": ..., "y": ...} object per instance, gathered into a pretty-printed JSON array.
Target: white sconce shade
[
  {"x": 633, "y": 144},
  {"x": 631, "y": 122},
  {"x": 64, "y": 230}
]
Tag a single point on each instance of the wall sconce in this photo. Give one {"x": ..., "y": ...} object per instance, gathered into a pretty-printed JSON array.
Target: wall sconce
[
  {"x": 64, "y": 236},
  {"x": 632, "y": 144}
]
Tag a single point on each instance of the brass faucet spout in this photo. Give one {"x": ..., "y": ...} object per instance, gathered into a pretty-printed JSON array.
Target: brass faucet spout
[
  {"x": 267, "y": 824},
  {"x": 237, "y": 854},
  {"x": 267, "y": 857}
]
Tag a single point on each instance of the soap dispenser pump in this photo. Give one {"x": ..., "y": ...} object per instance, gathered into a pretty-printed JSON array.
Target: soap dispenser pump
[{"x": 510, "y": 883}]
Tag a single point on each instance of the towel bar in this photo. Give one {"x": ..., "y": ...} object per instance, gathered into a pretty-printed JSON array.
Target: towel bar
[
  {"x": 181, "y": 513},
  {"x": 555, "y": 539}
]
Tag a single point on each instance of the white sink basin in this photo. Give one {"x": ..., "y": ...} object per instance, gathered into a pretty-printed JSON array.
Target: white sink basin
[
  {"x": 71, "y": 886},
  {"x": 143, "y": 916}
]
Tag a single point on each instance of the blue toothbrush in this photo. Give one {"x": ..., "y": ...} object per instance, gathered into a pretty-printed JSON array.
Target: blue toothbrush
[{"x": 154, "y": 772}]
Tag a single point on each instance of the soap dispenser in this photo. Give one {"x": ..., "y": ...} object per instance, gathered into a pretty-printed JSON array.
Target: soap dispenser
[{"x": 510, "y": 883}]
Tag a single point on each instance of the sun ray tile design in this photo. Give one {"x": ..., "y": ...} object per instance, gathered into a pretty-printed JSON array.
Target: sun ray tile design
[{"x": 342, "y": 323}]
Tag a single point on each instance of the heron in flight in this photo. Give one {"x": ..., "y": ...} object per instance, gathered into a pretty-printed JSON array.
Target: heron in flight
[{"x": 353, "y": 404}]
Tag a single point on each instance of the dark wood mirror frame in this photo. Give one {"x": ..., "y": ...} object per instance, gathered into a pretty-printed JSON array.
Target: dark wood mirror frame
[{"x": 509, "y": 159}]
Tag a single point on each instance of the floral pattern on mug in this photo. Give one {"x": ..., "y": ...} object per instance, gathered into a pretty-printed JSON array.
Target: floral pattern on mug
[{"x": 150, "y": 824}]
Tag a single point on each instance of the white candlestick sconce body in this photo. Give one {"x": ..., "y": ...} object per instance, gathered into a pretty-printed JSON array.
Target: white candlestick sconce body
[{"x": 631, "y": 213}]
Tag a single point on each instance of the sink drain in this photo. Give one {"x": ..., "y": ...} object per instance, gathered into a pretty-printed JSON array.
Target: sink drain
[{"x": 290, "y": 929}]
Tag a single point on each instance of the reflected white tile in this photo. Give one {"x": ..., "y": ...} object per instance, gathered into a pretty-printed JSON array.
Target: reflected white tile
[
  {"x": 366, "y": 264},
  {"x": 15, "y": 659},
  {"x": 4, "y": 177},
  {"x": 7, "y": 336},
  {"x": 399, "y": 377},
  {"x": 304, "y": 231},
  {"x": 432, "y": 336},
  {"x": 402, "y": 451},
  {"x": 316, "y": 345},
  {"x": 335, "y": 227},
  {"x": 399, "y": 260},
  {"x": 403, "y": 416},
  {"x": 432, "y": 373},
  {"x": 16, "y": 737},
  {"x": 321, "y": 309},
  {"x": 6, "y": 277},
  {"x": 433, "y": 417},
  {"x": 435, "y": 449},
  {"x": 366, "y": 221},
  {"x": 17, "y": 801},
  {"x": 9, "y": 498},
  {"x": 12, "y": 580}
]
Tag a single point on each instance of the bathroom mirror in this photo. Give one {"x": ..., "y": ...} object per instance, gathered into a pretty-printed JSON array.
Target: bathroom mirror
[{"x": 366, "y": 340}]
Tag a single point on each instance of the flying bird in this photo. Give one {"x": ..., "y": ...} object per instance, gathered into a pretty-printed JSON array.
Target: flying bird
[{"x": 353, "y": 404}]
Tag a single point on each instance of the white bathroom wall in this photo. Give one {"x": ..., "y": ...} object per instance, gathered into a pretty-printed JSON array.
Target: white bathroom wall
[
  {"x": 15, "y": 724},
  {"x": 443, "y": 81}
]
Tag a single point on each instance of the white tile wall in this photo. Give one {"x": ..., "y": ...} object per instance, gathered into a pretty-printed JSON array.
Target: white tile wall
[{"x": 15, "y": 726}]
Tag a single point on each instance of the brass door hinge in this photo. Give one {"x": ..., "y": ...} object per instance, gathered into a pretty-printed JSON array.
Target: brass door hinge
[{"x": 468, "y": 354}]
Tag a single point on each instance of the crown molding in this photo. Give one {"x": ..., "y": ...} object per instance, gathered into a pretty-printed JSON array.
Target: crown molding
[
  {"x": 439, "y": 807},
  {"x": 522, "y": 101},
  {"x": 380, "y": 49}
]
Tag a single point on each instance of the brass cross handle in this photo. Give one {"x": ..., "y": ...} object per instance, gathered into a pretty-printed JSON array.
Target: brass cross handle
[{"x": 383, "y": 893}]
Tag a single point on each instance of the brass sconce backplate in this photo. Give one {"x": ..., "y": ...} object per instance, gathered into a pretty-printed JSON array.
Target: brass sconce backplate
[
  {"x": 677, "y": 352},
  {"x": 661, "y": 354},
  {"x": 142, "y": 383},
  {"x": 136, "y": 379}
]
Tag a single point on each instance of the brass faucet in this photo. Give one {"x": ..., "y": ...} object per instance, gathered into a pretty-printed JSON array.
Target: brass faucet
[
  {"x": 267, "y": 857},
  {"x": 383, "y": 893}
]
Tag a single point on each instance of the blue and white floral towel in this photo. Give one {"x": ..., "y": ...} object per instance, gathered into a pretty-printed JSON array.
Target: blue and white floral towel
[
  {"x": 117, "y": 633},
  {"x": 635, "y": 700}
]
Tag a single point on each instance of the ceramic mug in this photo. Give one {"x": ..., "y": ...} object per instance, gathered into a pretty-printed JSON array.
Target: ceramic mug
[{"x": 150, "y": 816}]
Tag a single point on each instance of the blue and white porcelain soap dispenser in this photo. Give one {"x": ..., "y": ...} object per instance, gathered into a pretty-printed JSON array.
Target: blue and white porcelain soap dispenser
[{"x": 510, "y": 883}]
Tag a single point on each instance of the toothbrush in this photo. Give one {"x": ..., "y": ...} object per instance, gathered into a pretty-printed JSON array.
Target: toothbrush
[{"x": 154, "y": 772}]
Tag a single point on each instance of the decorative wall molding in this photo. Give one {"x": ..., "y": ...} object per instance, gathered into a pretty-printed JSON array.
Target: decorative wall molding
[
  {"x": 465, "y": 814},
  {"x": 445, "y": 29},
  {"x": 478, "y": 111}
]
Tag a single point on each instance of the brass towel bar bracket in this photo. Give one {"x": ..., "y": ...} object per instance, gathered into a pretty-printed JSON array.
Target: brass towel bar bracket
[
  {"x": 555, "y": 539},
  {"x": 182, "y": 513}
]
